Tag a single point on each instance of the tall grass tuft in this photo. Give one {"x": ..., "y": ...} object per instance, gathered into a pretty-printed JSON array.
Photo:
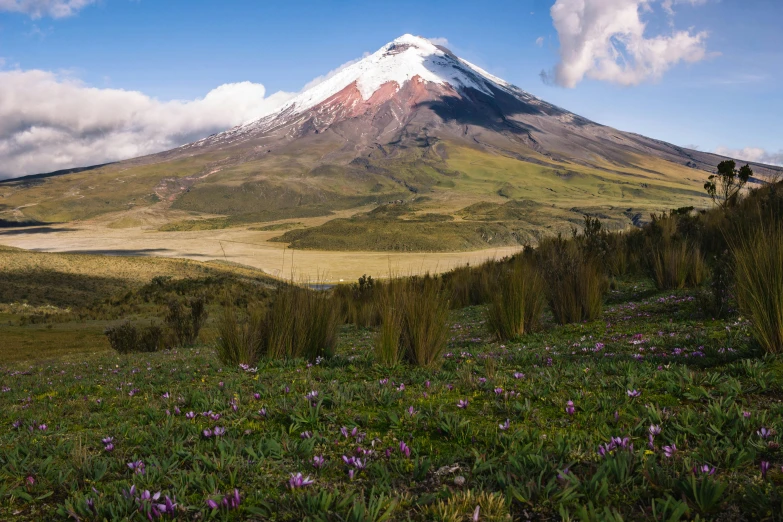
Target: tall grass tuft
[
  {"x": 471, "y": 285},
  {"x": 518, "y": 301},
  {"x": 240, "y": 336},
  {"x": 414, "y": 326},
  {"x": 758, "y": 257},
  {"x": 677, "y": 265},
  {"x": 575, "y": 281},
  {"x": 388, "y": 346},
  {"x": 301, "y": 323}
]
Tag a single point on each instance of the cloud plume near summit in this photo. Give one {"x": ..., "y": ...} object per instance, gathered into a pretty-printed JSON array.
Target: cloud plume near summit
[
  {"x": 49, "y": 122},
  {"x": 607, "y": 40}
]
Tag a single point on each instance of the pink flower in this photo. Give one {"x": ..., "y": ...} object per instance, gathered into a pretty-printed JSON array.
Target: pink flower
[
  {"x": 505, "y": 425},
  {"x": 570, "y": 408}
]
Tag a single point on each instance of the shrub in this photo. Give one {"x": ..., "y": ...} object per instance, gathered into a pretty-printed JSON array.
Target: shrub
[
  {"x": 127, "y": 338},
  {"x": 184, "y": 323},
  {"x": 575, "y": 282},
  {"x": 518, "y": 301},
  {"x": 357, "y": 302},
  {"x": 414, "y": 326},
  {"x": 758, "y": 258},
  {"x": 239, "y": 338}
]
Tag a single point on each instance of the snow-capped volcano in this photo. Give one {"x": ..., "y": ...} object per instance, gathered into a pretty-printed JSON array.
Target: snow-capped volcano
[
  {"x": 398, "y": 62},
  {"x": 413, "y": 93}
]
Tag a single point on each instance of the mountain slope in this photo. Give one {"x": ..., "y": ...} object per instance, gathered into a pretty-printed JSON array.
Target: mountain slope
[{"x": 411, "y": 124}]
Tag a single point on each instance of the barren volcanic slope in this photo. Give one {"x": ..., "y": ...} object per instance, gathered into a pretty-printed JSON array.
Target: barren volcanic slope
[{"x": 425, "y": 150}]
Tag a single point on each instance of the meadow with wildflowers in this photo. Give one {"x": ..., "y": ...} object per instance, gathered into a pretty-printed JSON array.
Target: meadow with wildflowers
[{"x": 653, "y": 412}]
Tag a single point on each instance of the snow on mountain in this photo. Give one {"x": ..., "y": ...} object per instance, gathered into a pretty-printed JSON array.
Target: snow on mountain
[{"x": 399, "y": 61}]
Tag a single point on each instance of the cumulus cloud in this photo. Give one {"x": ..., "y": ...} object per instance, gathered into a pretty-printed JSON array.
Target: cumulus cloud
[
  {"x": 41, "y": 8},
  {"x": 49, "y": 122},
  {"x": 605, "y": 40},
  {"x": 540, "y": 41},
  {"x": 754, "y": 154}
]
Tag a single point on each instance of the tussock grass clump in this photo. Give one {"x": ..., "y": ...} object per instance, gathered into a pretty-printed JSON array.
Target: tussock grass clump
[
  {"x": 128, "y": 338},
  {"x": 758, "y": 258},
  {"x": 470, "y": 286},
  {"x": 414, "y": 328},
  {"x": 298, "y": 323},
  {"x": 518, "y": 301},
  {"x": 466, "y": 506},
  {"x": 575, "y": 281},
  {"x": 301, "y": 323},
  {"x": 240, "y": 336},
  {"x": 677, "y": 265}
]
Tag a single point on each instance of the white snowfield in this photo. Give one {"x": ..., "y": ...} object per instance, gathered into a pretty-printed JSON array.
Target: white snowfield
[{"x": 399, "y": 61}]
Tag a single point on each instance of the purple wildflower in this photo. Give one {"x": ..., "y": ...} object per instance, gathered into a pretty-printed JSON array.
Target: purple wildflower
[
  {"x": 462, "y": 404},
  {"x": 704, "y": 469},
  {"x": 219, "y": 432},
  {"x": 765, "y": 465},
  {"x": 633, "y": 393},
  {"x": 305, "y": 435},
  {"x": 318, "y": 461},
  {"x": 190, "y": 415},
  {"x": 654, "y": 430},
  {"x": 299, "y": 481},
  {"x": 764, "y": 433},
  {"x": 405, "y": 450},
  {"x": 137, "y": 467},
  {"x": 505, "y": 425},
  {"x": 570, "y": 408},
  {"x": 669, "y": 451}
]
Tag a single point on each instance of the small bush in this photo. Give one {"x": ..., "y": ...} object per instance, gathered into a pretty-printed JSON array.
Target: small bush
[
  {"x": 575, "y": 282},
  {"x": 185, "y": 322},
  {"x": 414, "y": 326},
  {"x": 758, "y": 258},
  {"x": 128, "y": 338},
  {"x": 518, "y": 301}
]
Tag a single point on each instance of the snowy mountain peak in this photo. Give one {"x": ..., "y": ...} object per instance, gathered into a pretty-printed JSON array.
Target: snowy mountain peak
[{"x": 399, "y": 61}]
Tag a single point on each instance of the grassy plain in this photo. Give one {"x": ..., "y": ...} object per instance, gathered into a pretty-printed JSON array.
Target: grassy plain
[{"x": 514, "y": 450}]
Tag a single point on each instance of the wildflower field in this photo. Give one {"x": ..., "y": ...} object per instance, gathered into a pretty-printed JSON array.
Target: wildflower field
[{"x": 652, "y": 412}]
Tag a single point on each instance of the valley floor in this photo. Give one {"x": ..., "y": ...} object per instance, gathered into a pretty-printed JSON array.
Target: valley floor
[
  {"x": 243, "y": 246},
  {"x": 675, "y": 416}
]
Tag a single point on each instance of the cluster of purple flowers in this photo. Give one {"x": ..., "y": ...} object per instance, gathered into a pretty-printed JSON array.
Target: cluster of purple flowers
[
  {"x": 149, "y": 504},
  {"x": 108, "y": 443},
  {"x": 615, "y": 444},
  {"x": 137, "y": 467},
  {"x": 297, "y": 481},
  {"x": 230, "y": 501}
]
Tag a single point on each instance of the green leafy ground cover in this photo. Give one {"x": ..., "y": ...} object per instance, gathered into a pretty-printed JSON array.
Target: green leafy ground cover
[{"x": 671, "y": 416}]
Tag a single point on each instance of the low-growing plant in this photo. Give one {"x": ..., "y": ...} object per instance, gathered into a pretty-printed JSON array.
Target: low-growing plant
[{"x": 518, "y": 301}]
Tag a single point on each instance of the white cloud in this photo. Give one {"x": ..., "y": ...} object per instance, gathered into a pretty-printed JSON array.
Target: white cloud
[
  {"x": 755, "y": 154},
  {"x": 668, "y": 5},
  {"x": 50, "y": 122},
  {"x": 540, "y": 41},
  {"x": 605, "y": 40},
  {"x": 439, "y": 40},
  {"x": 41, "y": 8}
]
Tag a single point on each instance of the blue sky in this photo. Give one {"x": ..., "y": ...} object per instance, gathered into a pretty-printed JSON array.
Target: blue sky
[{"x": 730, "y": 95}]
